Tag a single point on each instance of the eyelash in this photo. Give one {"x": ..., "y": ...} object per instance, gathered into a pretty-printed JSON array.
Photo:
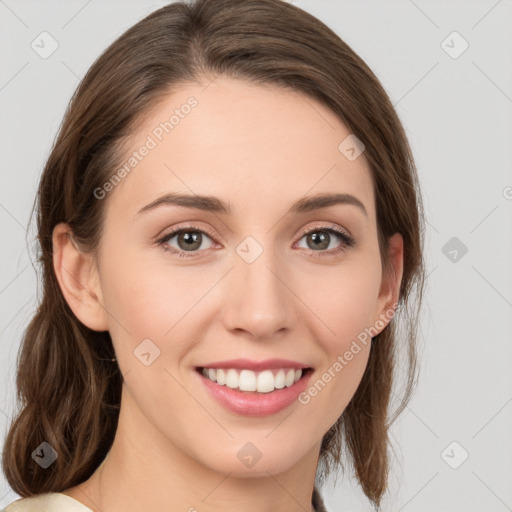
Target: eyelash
[{"x": 346, "y": 240}]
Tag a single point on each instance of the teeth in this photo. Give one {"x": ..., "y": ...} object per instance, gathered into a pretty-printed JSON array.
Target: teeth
[
  {"x": 280, "y": 379},
  {"x": 232, "y": 379},
  {"x": 247, "y": 380},
  {"x": 221, "y": 377}
]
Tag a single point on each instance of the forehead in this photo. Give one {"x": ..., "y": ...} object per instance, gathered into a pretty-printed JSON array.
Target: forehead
[{"x": 246, "y": 143}]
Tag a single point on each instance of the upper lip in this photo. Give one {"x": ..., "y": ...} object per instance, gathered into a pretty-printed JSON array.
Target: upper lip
[{"x": 248, "y": 364}]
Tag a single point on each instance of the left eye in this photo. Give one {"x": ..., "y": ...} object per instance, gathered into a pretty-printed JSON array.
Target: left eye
[
  {"x": 321, "y": 238},
  {"x": 191, "y": 240}
]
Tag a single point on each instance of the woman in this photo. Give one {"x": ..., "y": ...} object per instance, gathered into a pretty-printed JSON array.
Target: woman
[{"x": 229, "y": 219}]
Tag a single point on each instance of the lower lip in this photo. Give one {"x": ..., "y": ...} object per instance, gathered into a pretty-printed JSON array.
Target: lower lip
[{"x": 255, "y": 404}]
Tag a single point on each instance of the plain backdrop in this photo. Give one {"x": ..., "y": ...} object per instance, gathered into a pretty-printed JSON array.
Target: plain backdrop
[{"x": 447, "y": 66}]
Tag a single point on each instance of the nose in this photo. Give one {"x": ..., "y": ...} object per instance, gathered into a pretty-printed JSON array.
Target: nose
[{"x": 259, "y": 300}]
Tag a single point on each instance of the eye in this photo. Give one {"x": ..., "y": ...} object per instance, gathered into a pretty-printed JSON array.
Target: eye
[
  {"x": 320, "y": 238},
  {"x": 191, "y": 239}
]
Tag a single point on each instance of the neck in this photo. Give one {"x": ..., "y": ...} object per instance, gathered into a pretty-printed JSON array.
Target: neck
[{"x": 144, "y": 470}]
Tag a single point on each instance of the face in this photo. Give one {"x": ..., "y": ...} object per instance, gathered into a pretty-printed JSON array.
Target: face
[{"x": 260, "y": 279}]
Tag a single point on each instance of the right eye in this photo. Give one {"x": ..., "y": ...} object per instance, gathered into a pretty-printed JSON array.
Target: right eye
[{"x": 190, "y": 239}]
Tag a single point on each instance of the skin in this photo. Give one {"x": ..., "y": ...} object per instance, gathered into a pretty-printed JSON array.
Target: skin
[{"x": 260, "y": 149}]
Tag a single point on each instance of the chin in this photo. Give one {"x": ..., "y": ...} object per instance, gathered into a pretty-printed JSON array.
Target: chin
[{"x": 249, "y": 461}]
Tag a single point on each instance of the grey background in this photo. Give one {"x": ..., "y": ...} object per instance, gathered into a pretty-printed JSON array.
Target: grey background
[{"x": 458, "y": 116}]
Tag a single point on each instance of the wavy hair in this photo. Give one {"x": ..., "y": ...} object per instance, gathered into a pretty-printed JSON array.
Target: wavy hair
[{"x": 68, "y": 389}]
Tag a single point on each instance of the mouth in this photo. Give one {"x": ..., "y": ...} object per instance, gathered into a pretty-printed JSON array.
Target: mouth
[{"x": 255, "y": 382}]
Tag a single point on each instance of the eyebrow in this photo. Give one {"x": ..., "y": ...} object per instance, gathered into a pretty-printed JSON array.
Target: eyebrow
[{"x": 216, "y": 205}]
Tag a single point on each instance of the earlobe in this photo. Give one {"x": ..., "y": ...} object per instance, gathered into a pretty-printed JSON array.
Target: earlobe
[
  {"x": 391, "y": 281},
  {"x": 78, "y": 279}
]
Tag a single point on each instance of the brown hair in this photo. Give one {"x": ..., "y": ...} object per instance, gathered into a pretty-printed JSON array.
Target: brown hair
[{"x": 68, "y": 389}]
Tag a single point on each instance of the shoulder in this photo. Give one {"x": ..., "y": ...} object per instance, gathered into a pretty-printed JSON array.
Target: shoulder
[{"x": 47, "y": 502}]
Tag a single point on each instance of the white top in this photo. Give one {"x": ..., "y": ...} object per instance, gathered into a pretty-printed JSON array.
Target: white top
[{"x": 47, "y": 502}]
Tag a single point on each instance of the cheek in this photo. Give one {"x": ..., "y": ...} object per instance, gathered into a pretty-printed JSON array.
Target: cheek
[
  {"x": 143, "y": 294},
  {"x": 345, "y": 305},
  {"x": 153, "y": 301},
  {"x": 132, "y": 297},
  {"x": 344, "y": 302},
  {"x": 148, "y": 298}
]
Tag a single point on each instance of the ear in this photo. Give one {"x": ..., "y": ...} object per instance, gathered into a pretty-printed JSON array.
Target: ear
[
  {"x": 390, "y": 284},
  {"x": 78, "y": 279}
]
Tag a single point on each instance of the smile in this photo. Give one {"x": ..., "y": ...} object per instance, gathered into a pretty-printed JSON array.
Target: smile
[
  {"x": 265, "y": 381},
  {"x": 254, "y": 393}
]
